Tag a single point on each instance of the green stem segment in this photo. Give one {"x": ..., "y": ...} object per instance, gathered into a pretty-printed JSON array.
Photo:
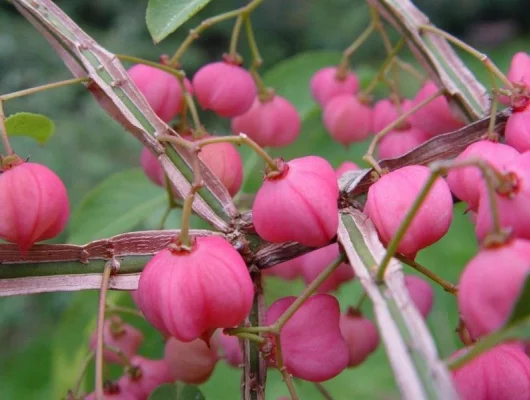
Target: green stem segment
[
  {"x": 232, "y": 50},
  {"x": 252, "y": 44},
  {"x": 42, "y": 88},
  {"x": 283, "y": 370},
  {"x": 447, "y": 286},
  {"x": 137, "y": 60},
  {"x": 207, "y": 23},
  {"x": 394, "y": 243},
  {"x": 346, "y": 55},
  {"x": 475, "y": 53},
  {"x": 99, "y": 330},
  {"x": 82, "y": 372},
  {"x": 280, "y": 322},
  {"x": 3, "y": 131},
  {"x": 485, "y": 344}
]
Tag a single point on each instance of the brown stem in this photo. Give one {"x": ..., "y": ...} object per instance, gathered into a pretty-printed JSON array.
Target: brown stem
[{"x": 323, "y": 391}]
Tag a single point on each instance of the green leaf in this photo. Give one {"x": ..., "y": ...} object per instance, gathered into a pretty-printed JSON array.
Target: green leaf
[
  {"x": 116, "y": 205},
  {"x": 176, "y": 391},
  {"x": 163, "y": 17},
  {"x": 36, "y": 126},
  {"x": 70, "y": 341},
  {"x": 290, "y": 78}
]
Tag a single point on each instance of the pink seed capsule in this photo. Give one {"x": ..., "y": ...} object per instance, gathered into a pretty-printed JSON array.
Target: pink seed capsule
[
  {"x": 420, "y": 293},
  {"x": 347, "y": 119},
  {"x": 34, "y": 204},
  {"x": 390, "y": 199},
  {"x": 287, "y": 270},
  {"x": 152, "y": 168},
  {"x": 501, "y": 373},
  {"x": 191, "y": 362},
  {"x": 230, "y": 349},
  {"x": 513, "y": 210},
  {"x": 517, "y": 131},
  {"x": 161, "y": 89},
  {"x": 361, "y": 337},
  {"x": 273, "y": 122},
  {"x": 490, "y": 285},
  {"x": 299, "y": 204},
  {"x": 312, "y": 345},
  {"x": 435, "y": 117},
  {"x": 224, "y": 88},
  {"x": 465, "y": 182},
  {"x": 189, "y": 294},
  {"x": 325, "y": 84},
  {"x": 519, "y": 72},
  {"x": 225, "y": 162},
  {"x": 145, "y": 376},
  {"x": 121, "y": 336},
  {"x": 400, "y": 141},
  {"x": 315, "y": 262},
  {"x": 345, "y": 167}
]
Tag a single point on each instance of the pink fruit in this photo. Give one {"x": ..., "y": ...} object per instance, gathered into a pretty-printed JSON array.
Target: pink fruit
[
  {"x": 385, "y": 112},
  {"x": 513, "y": 210},
  {"x": 34, "y": 204},
  {"x": 145, "y": 376},
  {"x": 225, "y": 162},
  {"x": 299, "y": 204},
  {"x": 325, "y": 84},
  {"x": 420, "y": 293},
  {"x": 347, "y": 119},
  {"x": 400, "y": 141},
  {"x": 436, "y": 117},
  {"x": 162, "y": 90},
  {"x": 230, "y": 349},
  {"x": 272, "y": 122},
  {"x": 152, "y": 167},
  {"x": 361, "y": 337},
  {"x": 519, "y": 71},
  {"x": 191, "y": 362},
  {"x": 225, "y": 88},
  {"x": 517, "y": 131},
  {"x": 391, "y": 197},
  {"x": 465, "y": 182},
  {"x": 190, "y": 294},
  {"x": 312, "y": 345},
  {"x": 121, "y": 336},
  {"x": 490, "y": 285},
  {"x": 501, "y": 373},
  {"x": 287, "y": 270},
  {"x": 345, "y": 167},
  {"x": 315, "y": 262}
]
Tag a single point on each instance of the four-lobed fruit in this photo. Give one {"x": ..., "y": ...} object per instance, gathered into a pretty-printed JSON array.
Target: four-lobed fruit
[
  {"x": 298, "y": 203},
  {"x": 501, "y": 373},
  {"x": 490, "y": 285},
  {"x": 121, "y": 336},
  {"x": 190, "y": 362},
  {"x": 145, "y": 375},
  {"x": 270, "y": 122},
  {"x": 188, "y": 294},
  {"x": 312, "y": 345},
  {"x": 34, "y": 204},
  {"x": 162, "y": 90},
  {"x": 328, "y": 83},
  {"x": 347, "y": 119},
  {"x": 225, "y": 88},
  {"x": 390, "y": 199},
  {"x": 361, "y": 337}
]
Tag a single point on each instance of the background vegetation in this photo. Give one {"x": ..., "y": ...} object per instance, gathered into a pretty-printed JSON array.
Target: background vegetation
[{"x": 43, "y": 336}]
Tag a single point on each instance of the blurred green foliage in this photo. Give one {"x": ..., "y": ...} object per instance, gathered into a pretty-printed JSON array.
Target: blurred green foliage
[{"x": 45, "y": 336}]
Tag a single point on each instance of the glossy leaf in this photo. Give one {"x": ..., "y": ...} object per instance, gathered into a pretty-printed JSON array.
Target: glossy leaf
[
  {"x": 116, "y": 205},
  {"x": 36, "y": 126},
  {"x": 163, "y": 17}
]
